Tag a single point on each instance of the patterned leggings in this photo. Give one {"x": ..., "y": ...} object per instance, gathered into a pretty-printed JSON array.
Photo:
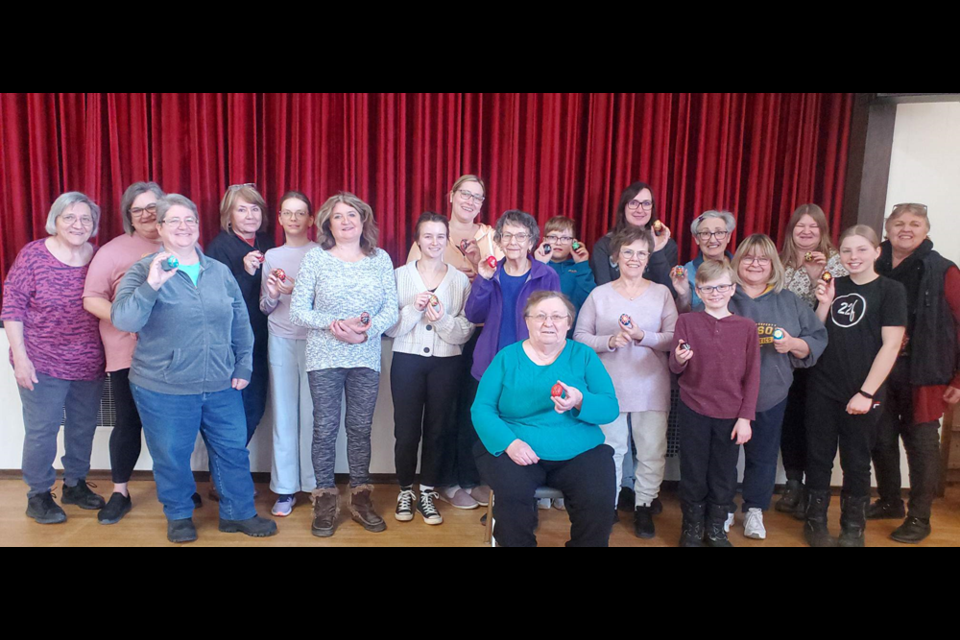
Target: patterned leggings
[{"x": 327, "y": 387}]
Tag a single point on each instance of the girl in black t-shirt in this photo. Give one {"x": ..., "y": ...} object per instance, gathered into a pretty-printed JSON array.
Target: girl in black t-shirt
[{"x": 866, "y": 316}]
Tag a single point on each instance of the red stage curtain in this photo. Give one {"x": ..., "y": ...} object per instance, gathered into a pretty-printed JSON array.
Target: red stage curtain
[{"x": 758, "y": 155}]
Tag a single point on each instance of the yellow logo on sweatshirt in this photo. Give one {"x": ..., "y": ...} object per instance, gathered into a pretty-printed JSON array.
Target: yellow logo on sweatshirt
[{"x": 765, "y": 331}]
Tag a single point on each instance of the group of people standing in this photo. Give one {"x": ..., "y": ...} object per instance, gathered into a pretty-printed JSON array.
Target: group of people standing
[{"x": 518, "y": 361}]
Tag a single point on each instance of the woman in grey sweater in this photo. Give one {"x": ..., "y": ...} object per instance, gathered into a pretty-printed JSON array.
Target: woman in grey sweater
[{"x": 194, "y": 355}]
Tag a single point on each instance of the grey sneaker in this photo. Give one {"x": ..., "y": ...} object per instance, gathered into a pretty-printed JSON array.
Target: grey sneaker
[
  {"x": 284, "y": 506},
  {"x": 458, "y": 498}
]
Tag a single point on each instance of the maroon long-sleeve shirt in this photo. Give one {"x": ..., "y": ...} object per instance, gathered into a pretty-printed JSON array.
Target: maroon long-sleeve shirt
[{"x": 722, "y": 380}]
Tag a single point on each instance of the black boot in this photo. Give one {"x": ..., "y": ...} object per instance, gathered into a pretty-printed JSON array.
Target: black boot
[
  {"x": 800, "y": 513},
  {"x": 626, "y": 499},
  {"x": 853, "y": 520},
  {"x": 181, "y": 531},
  {"x": 692, "y": 533},
  {"x": 715, "y": 535},
  {"x": 912, "y": 531},
  {"x": 886, "y": 510},
  {"x": 255, "y": 527},
  {"x": 643, "y": 523},
  {"x": 790, "y": 498},
  {"x": 815, "y": 525}
]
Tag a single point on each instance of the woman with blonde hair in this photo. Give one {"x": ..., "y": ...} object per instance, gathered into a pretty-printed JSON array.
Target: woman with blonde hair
[
  {"x": 346, "y": 296},
  {"x": 791, "y": 337},
  {"x": 241, "y": 245}
]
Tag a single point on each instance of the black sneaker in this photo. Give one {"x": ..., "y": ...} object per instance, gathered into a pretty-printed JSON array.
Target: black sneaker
[
  {"x": 118, "y": 507},
  {"x": 656, "y": 507},
  {"x": 45, "y": 510},
  {"x": 626, "y": 500},
  {"x": 81, "y": 496},
  {"x": 180, "y": 531},
  {"x": 255, "y": 527},
  {"x": 643, "y": 523},
  {"x": 427, "y": 509},
  {"x": 883, "y": 510},
  {"x": 912, "y": 531},
  {"x": 405, "y": 500}
]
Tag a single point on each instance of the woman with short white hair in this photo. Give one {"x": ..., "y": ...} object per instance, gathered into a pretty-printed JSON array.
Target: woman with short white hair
[
  {"x": 57, "y": 355},
  {"x": 712, "y": 230}
]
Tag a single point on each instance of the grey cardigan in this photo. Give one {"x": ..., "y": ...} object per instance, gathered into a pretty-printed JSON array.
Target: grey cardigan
[{"x": 191, "y": 339}]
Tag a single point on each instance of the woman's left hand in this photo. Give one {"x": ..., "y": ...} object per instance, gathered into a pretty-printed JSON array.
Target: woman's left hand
[
  {"x": 572, "y": 399},
  {"x": 742, "y": 431},
  {"x": 635, "y": 332},
  {"x": 660, "y": 241},
  {"x": 239, "y": 384},
  {"x": 785, "y": 345},
  {"x": 354, "y": 324},
  {"x": 951, "y": 395},
  {"x": 434, "y": 314},
  {"x": 344, "y": 333},
  {"x": 859, "y": 405}
]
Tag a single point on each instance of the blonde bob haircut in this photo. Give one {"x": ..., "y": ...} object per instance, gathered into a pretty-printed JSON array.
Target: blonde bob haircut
[
  {"x": 865, "y": 232},
  {"x": 761, "y": 244},
  {"x": 236, "y": 192},
  {"x": 712, "y": 270},
  {"x": 462, "y": 180},
  {"x": 370, "y": 233}
]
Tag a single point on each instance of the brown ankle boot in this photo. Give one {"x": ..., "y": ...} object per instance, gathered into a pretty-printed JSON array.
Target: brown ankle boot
[
  {"x": 361, "y": 507},
  {"x": 326, "y": 510}
]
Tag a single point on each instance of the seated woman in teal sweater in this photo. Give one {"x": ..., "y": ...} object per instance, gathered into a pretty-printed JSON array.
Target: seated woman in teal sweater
[{"x": 541, "y": 402}]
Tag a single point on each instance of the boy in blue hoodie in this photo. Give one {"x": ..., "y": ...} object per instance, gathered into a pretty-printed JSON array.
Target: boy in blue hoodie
[{"x": 570, "y": 259}]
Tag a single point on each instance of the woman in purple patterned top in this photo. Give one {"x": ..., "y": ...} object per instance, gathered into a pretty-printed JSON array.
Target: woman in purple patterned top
[{"x": 57, "y": 355}]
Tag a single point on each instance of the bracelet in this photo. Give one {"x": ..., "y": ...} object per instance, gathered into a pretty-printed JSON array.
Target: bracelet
[{"x": 866, "y": 395}]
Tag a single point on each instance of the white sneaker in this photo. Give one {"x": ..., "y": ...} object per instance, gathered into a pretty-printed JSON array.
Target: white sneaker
[
  {"x": 753, "y": 525},
  {"x": 543, "y": 504},
  {"x": 728, "y": 523}
]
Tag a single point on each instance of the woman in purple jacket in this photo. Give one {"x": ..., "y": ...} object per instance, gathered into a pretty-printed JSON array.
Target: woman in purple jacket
[{"x": 500, "y": 293}]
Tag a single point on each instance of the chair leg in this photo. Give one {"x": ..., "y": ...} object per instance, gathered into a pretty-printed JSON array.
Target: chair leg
[{"x": 488, "y": 527}]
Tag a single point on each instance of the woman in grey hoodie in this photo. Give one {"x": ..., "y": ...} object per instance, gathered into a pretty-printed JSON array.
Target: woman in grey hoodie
[
  {"x": 194, "y": 356},
  {"x": 791, "y": 337}
]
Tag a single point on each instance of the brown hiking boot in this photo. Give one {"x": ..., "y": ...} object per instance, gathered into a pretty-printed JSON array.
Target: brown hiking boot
[
  {"x": 326, "y": 510},
  {"x": 361, "y": 507}
]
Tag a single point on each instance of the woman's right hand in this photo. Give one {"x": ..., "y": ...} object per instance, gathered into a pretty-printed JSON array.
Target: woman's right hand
[
  {"x": 473, "y": 253},
  {"x": 252, "y": 262},
  {"x": 344, "y": 333},
  {"x": 485, "y": 271},
  {"x": 618, "y": 341},
  {"x": 422, "y": 300},
  {"x": 826, "y": 292},
  {"x": 680, "y": 283},
  {"x": 273, "y": 287},
  {"x": 25, "y": 372},
  {"x": 157, "y": 276},
  {"x": 521, "y": 453}
]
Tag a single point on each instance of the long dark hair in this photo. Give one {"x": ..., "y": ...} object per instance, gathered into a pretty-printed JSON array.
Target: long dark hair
[{"x": 620, "y": 223}]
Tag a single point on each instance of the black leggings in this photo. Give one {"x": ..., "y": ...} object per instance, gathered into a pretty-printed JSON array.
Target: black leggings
[{"x": 125, "y": 441}]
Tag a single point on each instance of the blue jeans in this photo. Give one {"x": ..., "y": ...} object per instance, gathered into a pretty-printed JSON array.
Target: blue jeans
[
  {"x": 171, "y": 424},
  {"x": 761, "y": 453},
  {"x": 43, "y": 411}
]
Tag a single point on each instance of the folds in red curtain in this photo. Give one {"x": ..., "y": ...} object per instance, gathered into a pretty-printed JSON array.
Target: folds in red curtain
[{"x": 758, "y": 155}]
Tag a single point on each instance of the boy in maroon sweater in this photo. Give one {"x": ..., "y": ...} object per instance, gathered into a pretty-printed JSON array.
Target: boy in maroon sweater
[{"x": 717, "y": 357}]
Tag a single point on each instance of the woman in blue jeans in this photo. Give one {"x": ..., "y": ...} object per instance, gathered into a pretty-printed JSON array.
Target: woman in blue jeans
[{"x": 193, "y": 358}]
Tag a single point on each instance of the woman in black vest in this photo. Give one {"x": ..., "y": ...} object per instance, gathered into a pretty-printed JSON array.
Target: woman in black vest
[{"x": 926, "y": 377}]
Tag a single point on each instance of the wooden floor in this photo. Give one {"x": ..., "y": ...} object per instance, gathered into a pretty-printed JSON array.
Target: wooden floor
[{"x": 146, "y": 526}]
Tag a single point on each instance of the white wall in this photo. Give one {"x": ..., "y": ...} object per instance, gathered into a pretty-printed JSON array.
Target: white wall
[{"x": 925, "y": 168}]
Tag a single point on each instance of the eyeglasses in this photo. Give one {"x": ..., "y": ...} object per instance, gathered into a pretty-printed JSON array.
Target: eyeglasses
[
  {"x": 719, "y": 235},
  {"x": 291, "y": 214},
  {"x": 139, "y": 211},
  {"x": 519, "y": 237},
  {"x": 237, "y": 187},
  {"x": 910, "y": 204},
  {"x": 633, "y": 205},
  {"x": 466, "y": 195},
  {"x": 763, "y": 262},
  {"x": 552, "y": 239},
  {"x": 176, "y": 222},
  {"x": 630, "y": 253},
  {"x": 540, "y": 318},
  {"x": 71, "y": 218},
  {"x": 720, "y": 288}
]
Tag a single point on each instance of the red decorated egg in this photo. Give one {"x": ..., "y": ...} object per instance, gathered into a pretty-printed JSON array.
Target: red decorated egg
[
  {"x": 492, "y": 262},
  {"x": 557, "y": 391},
  {"x": 626, "y": 321},
  {"x": 281, "y": 276},
  {"x": 434, "y": 302}
]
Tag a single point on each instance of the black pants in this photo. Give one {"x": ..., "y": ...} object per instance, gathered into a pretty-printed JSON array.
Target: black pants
[
  {"x": 125, "y": 441},
  {"x": 829, "y": 425},
  {"x": 424, "y": 395},
  {"x": 708, "y": 458},
  {"x": 922, "y": 442},
  {"x": 457, "y": 465},
  {"x": 793, "y": 441},
  {"x": 587, "y": 482}
]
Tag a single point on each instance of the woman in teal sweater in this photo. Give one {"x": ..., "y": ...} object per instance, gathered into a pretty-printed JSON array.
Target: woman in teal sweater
[{"x": 540, "y": 403}]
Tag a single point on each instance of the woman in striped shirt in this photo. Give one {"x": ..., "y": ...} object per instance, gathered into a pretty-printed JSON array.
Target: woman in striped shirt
[{"x": 425, "y": 376}]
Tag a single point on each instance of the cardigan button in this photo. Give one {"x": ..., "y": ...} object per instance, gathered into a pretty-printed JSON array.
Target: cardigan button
[
  {"x": 426, "y": 349},
  {"x": 429, "y": 327}
]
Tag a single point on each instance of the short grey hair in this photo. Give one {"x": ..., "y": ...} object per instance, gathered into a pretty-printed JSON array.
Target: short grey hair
[
  {"x": 64, "y": 202},
  {"x": 171, "y": 200},
  {"x": 726, "y": 216},
  {"x": 131, "y": 194},
  {"x": 545, "y": 294},
  {"x": 518, "y": 218}
]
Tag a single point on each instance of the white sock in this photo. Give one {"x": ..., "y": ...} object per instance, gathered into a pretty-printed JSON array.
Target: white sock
[{"x": 424, "y": 488}]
